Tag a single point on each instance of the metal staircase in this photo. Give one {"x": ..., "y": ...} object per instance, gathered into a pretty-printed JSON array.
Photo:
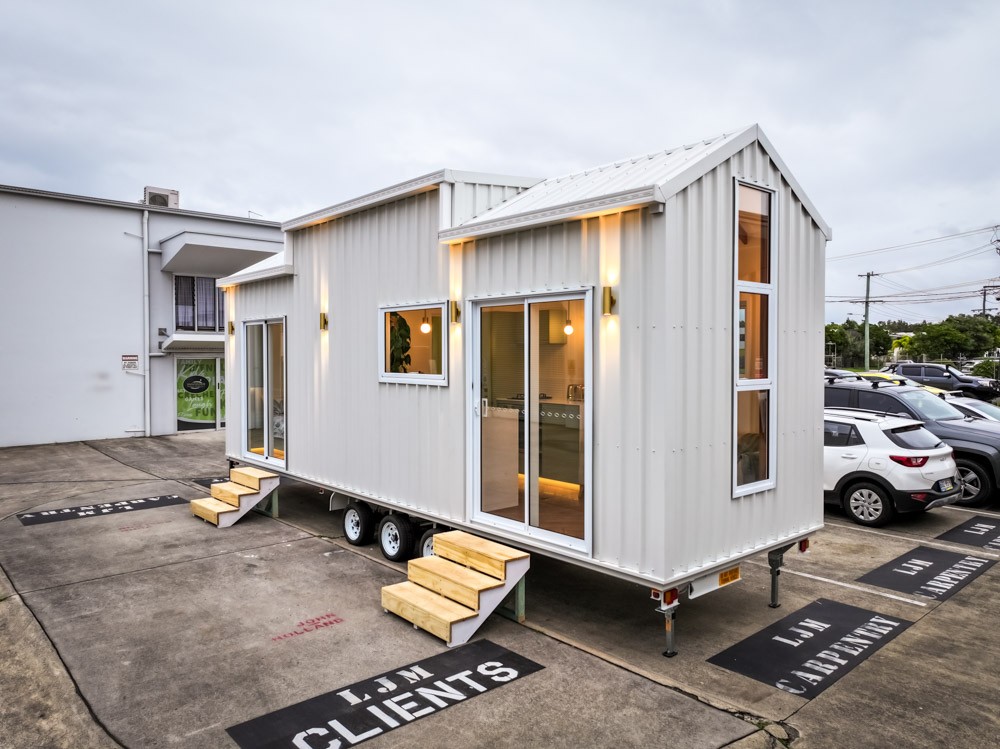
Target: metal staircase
[
  {"x": 231, "y": 500},
  {"x": 451, "y": 593}
]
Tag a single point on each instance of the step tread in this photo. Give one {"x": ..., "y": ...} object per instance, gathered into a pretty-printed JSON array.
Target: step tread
[
  {"x": 427, "y": 602},
  {"x": 481, "y": 546},
  {"x": 456, "y": 573},
  {"x": 234, "y": 488},
  {"x": 210, "y": 508},
  {"x": 258, "y": 473}
]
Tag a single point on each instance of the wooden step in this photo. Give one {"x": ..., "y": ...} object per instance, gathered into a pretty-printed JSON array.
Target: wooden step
[
  {"x": 229, "y": 492},
  {"x": 471, "y": 551},
  {"x": 428, "y": 610},
  {"x": 451, "y": 580},
  {"x": 210, "y": 509},
  {"x": 250, "y": 476}
]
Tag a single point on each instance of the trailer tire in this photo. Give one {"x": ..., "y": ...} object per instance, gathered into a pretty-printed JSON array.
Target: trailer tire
[
  {"x": 395, "y": 537},
  {"x": 425, "y": 546},
  {"x": 359, "y": 523},
  {"x": 977, "y": 487}
]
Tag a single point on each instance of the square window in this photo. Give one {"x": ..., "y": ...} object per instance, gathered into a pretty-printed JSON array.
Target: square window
[{"x": 414, "y": 344}]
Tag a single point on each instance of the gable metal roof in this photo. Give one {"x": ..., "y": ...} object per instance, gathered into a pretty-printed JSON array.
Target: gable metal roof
[{"x": 636, "y": 181}]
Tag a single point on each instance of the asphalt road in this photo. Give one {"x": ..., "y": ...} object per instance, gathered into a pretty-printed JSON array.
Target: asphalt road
[{"x": 150, "y": 628}]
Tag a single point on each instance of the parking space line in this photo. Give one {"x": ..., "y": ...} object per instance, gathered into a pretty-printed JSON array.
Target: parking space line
[
  {"x": 925, "y": 541},
  {"x": 862, "y": 588},
  {"x": 972, "y": 511}
]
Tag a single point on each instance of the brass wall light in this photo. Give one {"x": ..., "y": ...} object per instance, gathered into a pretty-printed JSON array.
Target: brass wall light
[
  {"x": 324, "y": 321},
  {"x": 232, "y": 328},
  {"x": 608, "y": 301},
  {"x": 456, "y": 312}
]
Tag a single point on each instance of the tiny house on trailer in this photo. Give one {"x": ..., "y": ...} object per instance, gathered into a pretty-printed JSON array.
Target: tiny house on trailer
[{"x": 618, "y": 368}]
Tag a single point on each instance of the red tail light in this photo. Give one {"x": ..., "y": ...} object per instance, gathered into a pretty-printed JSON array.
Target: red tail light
[{"x": 909, "y": 461}]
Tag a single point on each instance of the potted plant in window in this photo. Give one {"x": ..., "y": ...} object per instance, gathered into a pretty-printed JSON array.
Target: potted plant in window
[{"x": 399, "y": 343}]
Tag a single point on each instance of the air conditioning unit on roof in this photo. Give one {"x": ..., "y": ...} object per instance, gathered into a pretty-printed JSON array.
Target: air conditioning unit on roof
[{"x": 161, "y": 197}]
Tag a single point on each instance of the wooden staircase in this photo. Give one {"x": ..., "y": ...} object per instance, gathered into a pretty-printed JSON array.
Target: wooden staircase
[
  {"x": 233, "y": 499},
  {"x": 451, "y": 593}
]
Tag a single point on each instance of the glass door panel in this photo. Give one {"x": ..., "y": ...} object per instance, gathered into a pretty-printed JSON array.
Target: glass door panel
[
  {"x": 255, "y": 389},
  {"x": 276, "y": 389},
  {"x": 556, "y": 429},
  {"x": 501, "y": 411},
  {"x": 196, "y": 403}
]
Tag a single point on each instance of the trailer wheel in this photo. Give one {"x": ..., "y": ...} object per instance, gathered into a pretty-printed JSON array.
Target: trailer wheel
[
  {"x": 976, "y": 485},
  {"x": 359, "y": 523},
  {"x": 395, "y": 537},
  {"x": 425, "y": 547}
]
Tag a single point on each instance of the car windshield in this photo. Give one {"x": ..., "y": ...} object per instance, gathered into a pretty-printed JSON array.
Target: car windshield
[
  {"x": 987, "y": 408},
  {"x": 956, "y": 372},
  {"x": 929, "y": 406}
]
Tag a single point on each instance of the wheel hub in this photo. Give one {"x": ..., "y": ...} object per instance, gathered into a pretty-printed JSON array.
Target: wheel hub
[{"x": 866, "y": 505}]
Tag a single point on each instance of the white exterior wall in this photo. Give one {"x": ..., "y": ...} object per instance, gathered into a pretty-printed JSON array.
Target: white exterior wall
[
  {"x": 393, "y": 442},
  {"x": 72, "y": 295}
]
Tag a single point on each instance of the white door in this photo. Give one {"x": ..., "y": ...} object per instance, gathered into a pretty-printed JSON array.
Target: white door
[
  {"x": 843, "y": 452},
  {"x": 532, "y": 413},
  {"x": 264, "y": 378}
]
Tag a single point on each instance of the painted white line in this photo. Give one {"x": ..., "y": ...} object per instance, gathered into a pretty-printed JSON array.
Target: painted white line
[
  {"x": 945, "y": 545},
  {"x": 862, "y": 588},
  {"x": 972, "y": 511}
]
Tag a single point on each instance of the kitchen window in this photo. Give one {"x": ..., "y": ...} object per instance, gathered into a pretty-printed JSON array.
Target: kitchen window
[
  {"x": 414, "y": 344},
  {"x": 198, "y": 304},
  {"x": 754, "y": 396}
]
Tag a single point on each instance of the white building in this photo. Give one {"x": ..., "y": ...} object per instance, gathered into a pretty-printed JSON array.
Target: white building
[
  {"x": 113, "y": 319},
  {"x": 619, "y": 368}
]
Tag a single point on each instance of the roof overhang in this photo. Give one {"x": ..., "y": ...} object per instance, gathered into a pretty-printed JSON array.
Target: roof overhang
[
  {"x": 275, "y": 266},
  {"x": 557, "y": 214},
  {"x": 213, "y": 255},
  {"x": 180, "y": 342}
]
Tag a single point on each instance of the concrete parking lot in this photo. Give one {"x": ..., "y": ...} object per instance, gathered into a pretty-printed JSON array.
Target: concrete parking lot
[{"x": 147, "y": 628}]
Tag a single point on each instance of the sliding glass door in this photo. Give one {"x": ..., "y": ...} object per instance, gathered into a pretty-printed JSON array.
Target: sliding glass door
[
  {"x": 264, "y": 415},
  {"x": 531, "y": 408}
]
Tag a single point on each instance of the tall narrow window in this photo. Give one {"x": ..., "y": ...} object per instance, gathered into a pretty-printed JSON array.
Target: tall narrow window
[{"x": 754, "y": 404}]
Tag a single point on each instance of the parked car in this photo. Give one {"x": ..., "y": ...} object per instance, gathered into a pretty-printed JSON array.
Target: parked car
[
  {"x": 976, "y": 408},
  {"x": 875, "y": 466},
  {"x": 976, "y": 442},
  {"x": 842, "y": 374},
  {"x": 899, "y": 380},
  {"x": 948, "y": 378}
]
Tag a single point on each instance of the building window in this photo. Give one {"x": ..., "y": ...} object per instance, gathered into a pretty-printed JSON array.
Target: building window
[
  {"x": 754, "y": 399},
  {"x": 414, "y": 344},
  {"x": 198, "y": 304}
]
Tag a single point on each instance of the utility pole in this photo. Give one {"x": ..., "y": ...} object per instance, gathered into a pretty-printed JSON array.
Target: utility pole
[
  {"x": 868, "y": 293},
  {"x": 988, "y": 290}
]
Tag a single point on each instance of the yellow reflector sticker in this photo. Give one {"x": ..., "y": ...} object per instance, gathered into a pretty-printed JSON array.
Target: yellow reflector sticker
[{"x": 729, "y": 576}]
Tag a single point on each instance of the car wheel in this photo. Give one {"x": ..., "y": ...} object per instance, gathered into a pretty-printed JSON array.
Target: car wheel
[
  {"x": 359, "y": 524},
  {"x": 868, "y": 504},
  {"x": 395, "y": 538},
  {"x": 977, "y": 488}
]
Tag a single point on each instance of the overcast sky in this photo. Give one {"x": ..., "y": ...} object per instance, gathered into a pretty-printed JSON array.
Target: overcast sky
[{"x": 887, "y": 113}]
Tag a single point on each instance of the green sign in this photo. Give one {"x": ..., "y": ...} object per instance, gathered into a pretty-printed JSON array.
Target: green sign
[{"x": 196, "y": 394}]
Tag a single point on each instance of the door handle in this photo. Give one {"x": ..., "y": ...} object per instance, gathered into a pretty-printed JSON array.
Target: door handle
[
  {"x": 848, "y": 456},
  {"x": 485, "y": 407}
]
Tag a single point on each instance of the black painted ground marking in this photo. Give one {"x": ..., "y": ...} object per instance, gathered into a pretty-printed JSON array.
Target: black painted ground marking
[
  {"x": 931, "y": 573},
  {"x": 207, "y": 483},
  {"x": 809, "y": 650},
  {"x": 99, "y": 509},
  {"x": 982, "y": 532},
  {"x": 376, "y": 706}
]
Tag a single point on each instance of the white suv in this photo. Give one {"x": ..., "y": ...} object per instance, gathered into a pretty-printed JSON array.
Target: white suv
[{"x": 876, "y": 465}]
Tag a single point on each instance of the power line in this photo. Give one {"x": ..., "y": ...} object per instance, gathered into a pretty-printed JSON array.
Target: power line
[
  {"x": 954, "y": 258},
  {"x": 918, "y": 243}
]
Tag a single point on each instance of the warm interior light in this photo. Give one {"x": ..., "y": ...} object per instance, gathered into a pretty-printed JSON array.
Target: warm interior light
[
  {"x": 568, "y": 330},
  {"x": 425, "y": 326}
]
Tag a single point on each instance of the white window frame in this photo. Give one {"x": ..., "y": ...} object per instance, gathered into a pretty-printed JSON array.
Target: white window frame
[
  {"x": 414, "y": 378},
  {"x": 248, "y": 456},
  {"x": 768, "y": 384}
]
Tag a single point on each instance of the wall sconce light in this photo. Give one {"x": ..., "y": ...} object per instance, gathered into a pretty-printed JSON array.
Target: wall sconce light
[
  {"x": 456, "y": 312},
  {"x": 608, "y": 301},
  {"x": 324, "y": 321},
  {"x": 232, "y": 328}
]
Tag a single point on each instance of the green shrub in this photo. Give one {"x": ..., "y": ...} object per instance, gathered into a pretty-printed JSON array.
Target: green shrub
[{"x": 985, "y": 368}]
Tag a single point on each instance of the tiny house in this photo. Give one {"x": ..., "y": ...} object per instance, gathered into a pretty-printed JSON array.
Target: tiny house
[{"x": 619, "y": 368}]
